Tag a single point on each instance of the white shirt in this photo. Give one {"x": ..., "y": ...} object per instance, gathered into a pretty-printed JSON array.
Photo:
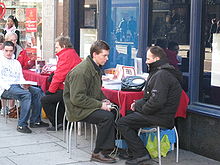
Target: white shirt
[{"x": 10, "y": 72}]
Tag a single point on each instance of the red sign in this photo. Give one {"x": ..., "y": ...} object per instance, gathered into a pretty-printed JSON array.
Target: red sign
[
  {"x": 31, "y": 19},
  {"x": 2, "y": 10}
]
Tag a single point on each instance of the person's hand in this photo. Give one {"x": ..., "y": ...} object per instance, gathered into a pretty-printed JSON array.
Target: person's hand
[
  {"x": 132, "y": 106},
  {"x": 107, "y": 101},
  {"x": 105, "y": 106}
]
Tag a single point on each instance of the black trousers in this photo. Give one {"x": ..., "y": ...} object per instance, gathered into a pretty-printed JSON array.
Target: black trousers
[
  {"x": 49, "y": 103},
  {"x": 106, "y": 129},
  {"x": 128, "y": 126}
]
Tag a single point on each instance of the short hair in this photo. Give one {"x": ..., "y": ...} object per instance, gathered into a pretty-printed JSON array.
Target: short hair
[
  {"x": 64, "y": 42},
  {"x": 98, "y": 46},
  {"x": 9, "y": 34},
  {"x": 158, "y": 52},
  {"x": 8, "y": 43},
  {"x": 172, "y": 45},
  {"x": 2, "y": 38}
]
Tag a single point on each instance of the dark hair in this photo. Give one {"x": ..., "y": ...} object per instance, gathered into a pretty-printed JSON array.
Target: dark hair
[
  {"x": 172, "y": 45},
  {"x": 64, "y": 42},
  {"x": 9, "y": 43},
  {"x": 2, "y": 38},
  {"x": 14, "y": 19},
  {"x": 158, "y": 52},
  {"x": 161, "y": 43},
  {"x": 98, "y": 46}
]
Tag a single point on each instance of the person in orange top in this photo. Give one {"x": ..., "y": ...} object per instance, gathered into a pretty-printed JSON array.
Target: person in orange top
[{"x": 67, "y": 59}]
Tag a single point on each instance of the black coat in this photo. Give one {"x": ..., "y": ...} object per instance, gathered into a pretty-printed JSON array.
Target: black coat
[{"x": 161, "y": 94}]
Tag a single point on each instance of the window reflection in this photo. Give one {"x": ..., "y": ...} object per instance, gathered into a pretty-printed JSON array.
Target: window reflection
[
  {"x": 123, "y": 32},
  {"x": 210, "y": 84},
  {"x": 170, "y": 30}
]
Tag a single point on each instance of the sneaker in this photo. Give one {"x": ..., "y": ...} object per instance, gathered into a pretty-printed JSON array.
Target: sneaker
[
  {"x": 52, "y": 128},
  {"x": 39, "y": 124},
  {"x": 23, "y": 129}
]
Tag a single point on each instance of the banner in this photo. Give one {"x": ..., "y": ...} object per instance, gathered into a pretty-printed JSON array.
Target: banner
[{"x": 31, "y": 19}]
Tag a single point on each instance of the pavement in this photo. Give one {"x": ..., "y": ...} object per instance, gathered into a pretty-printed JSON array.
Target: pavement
[{"x": 42, "y": 147}]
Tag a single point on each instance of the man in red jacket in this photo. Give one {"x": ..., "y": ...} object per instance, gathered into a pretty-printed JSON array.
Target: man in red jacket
[{"x": 67, "y": 59}]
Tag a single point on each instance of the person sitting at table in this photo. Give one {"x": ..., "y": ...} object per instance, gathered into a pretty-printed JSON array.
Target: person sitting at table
[
  {"x": 20, "y": 54},
  {"x": 85, "y": 101},
  {"x": 158, "y": 107},
  {"x": 28, "y": 96},
  {"x": 67, "y": 59}
]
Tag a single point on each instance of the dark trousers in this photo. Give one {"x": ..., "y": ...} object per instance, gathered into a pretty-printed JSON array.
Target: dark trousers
[
  {"x": 128, "y": 126},
  {"x": 105, "y": 123},
  {"x": 49, "y": 103}
]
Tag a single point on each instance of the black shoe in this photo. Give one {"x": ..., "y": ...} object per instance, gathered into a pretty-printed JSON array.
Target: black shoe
[
  {"x": 138, "y": 160},
  {"x": 125, "y": 156},
  {"x": 99, "y": 157},
  {"x": 23, "y": 129},
  {"x": 40, "y": 124},
  {"x": 52, "y": 128}
]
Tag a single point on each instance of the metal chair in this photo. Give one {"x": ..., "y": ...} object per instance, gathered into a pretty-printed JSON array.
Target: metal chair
[
  {"x": 7, "y": 105},
  {"x": 158, "y": 129},
  {"x": 56, "y": 115},
  {"x": 67, "y": 134}
]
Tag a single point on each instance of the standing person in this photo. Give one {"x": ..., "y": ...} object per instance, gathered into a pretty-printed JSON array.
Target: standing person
[
  {"x": 85, "y": 101},
  {"x": 28, "y": 96},
  {"x": 123, "y": 28},
  {"x": 218, "y": 27},
  {"x": 158, "y": 107},
  {"x": 67, "y": 59},
  {"x": 12, "y": 26},
  {"x": 132, "y": 27},
  {"x": 213, "y": 29}
]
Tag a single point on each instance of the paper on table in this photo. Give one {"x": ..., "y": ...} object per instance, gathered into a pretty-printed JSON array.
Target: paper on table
[{"x": 27, "y": 82}]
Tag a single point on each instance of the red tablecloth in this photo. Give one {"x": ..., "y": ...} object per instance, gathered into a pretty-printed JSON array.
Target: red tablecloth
[
  {"x": 123, "y": 99},
  {"x": 40, "y": 79}
]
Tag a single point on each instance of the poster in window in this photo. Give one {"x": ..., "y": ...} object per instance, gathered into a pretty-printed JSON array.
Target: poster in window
[
  {"x": 31, "y": 19},
  {"x": 90, "y": 18}
]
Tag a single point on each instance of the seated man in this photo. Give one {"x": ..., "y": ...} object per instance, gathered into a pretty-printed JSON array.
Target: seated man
[
  {"x": 158, "y": 107},
  {"x": 20, "y": 54},
  {"x": 85, "y": 101},
  {"x": 67, "y": 59},
  {"x": 28, "y": 96}
]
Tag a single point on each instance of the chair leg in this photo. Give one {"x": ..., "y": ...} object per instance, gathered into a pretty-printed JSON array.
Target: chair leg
[
  {"x": 75, "y": 133},
  {"x": 70, "y": 139},
  {"x": 17, "y": 104},
  {"x": 56, "y": 115},
  {"x": 67, "y": 136},
  {"x": 158, "y": 138},
  {"x": 92, "y": 132},
  {"x": 85, "y": 130},
  {"x": 64, "y": 122},
  {"x": 177, "y": 145}
]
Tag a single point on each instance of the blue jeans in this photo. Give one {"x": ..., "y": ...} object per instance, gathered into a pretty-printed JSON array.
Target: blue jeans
[{"x": 29, "y": 100}]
